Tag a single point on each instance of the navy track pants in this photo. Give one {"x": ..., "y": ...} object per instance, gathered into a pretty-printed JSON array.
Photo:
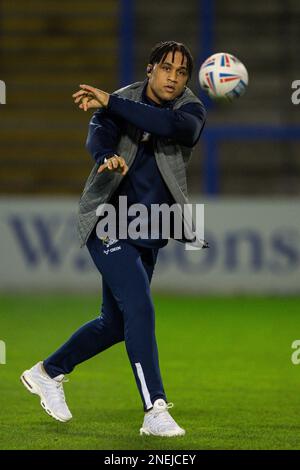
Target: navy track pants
[{"x": 127, "y": 314}]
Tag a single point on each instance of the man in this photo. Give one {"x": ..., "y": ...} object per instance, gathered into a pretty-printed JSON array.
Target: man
[{"x": 141, "y": 138}]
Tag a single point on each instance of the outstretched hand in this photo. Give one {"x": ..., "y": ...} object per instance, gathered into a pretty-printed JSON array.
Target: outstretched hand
[{"x": 89, "y": 97}]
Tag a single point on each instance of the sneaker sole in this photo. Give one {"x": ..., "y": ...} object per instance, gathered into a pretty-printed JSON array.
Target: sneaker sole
[
  {"x": 148, "y": 433},
  {"x": 33, "y": 388}
]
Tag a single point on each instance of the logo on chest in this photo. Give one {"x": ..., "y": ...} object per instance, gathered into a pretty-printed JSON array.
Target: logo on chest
[{"x": 146, "y": 137}]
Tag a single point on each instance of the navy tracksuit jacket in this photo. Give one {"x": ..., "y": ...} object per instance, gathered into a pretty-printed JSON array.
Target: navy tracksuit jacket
[{"x": 127, "y": 266}]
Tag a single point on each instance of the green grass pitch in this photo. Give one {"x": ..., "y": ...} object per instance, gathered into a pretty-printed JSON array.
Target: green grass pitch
[{"x": 226, "y": 365}]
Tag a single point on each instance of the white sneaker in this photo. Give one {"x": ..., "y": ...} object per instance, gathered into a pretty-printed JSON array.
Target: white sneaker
[
  {"x": 158, "y": 421},
  {"x": 49, "y": 390}
]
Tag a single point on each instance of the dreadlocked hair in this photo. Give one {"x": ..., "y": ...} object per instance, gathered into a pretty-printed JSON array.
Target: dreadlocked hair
[{"x": 161, "y": 50}]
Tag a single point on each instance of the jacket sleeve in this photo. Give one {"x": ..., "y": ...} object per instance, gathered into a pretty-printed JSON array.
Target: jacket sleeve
[
  {"x": 183, "y": 125},
  {"x": 103, "y": 135}
]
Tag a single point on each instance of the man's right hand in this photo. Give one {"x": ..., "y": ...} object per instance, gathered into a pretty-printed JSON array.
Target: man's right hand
[{"x": 114, "y": 163}]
